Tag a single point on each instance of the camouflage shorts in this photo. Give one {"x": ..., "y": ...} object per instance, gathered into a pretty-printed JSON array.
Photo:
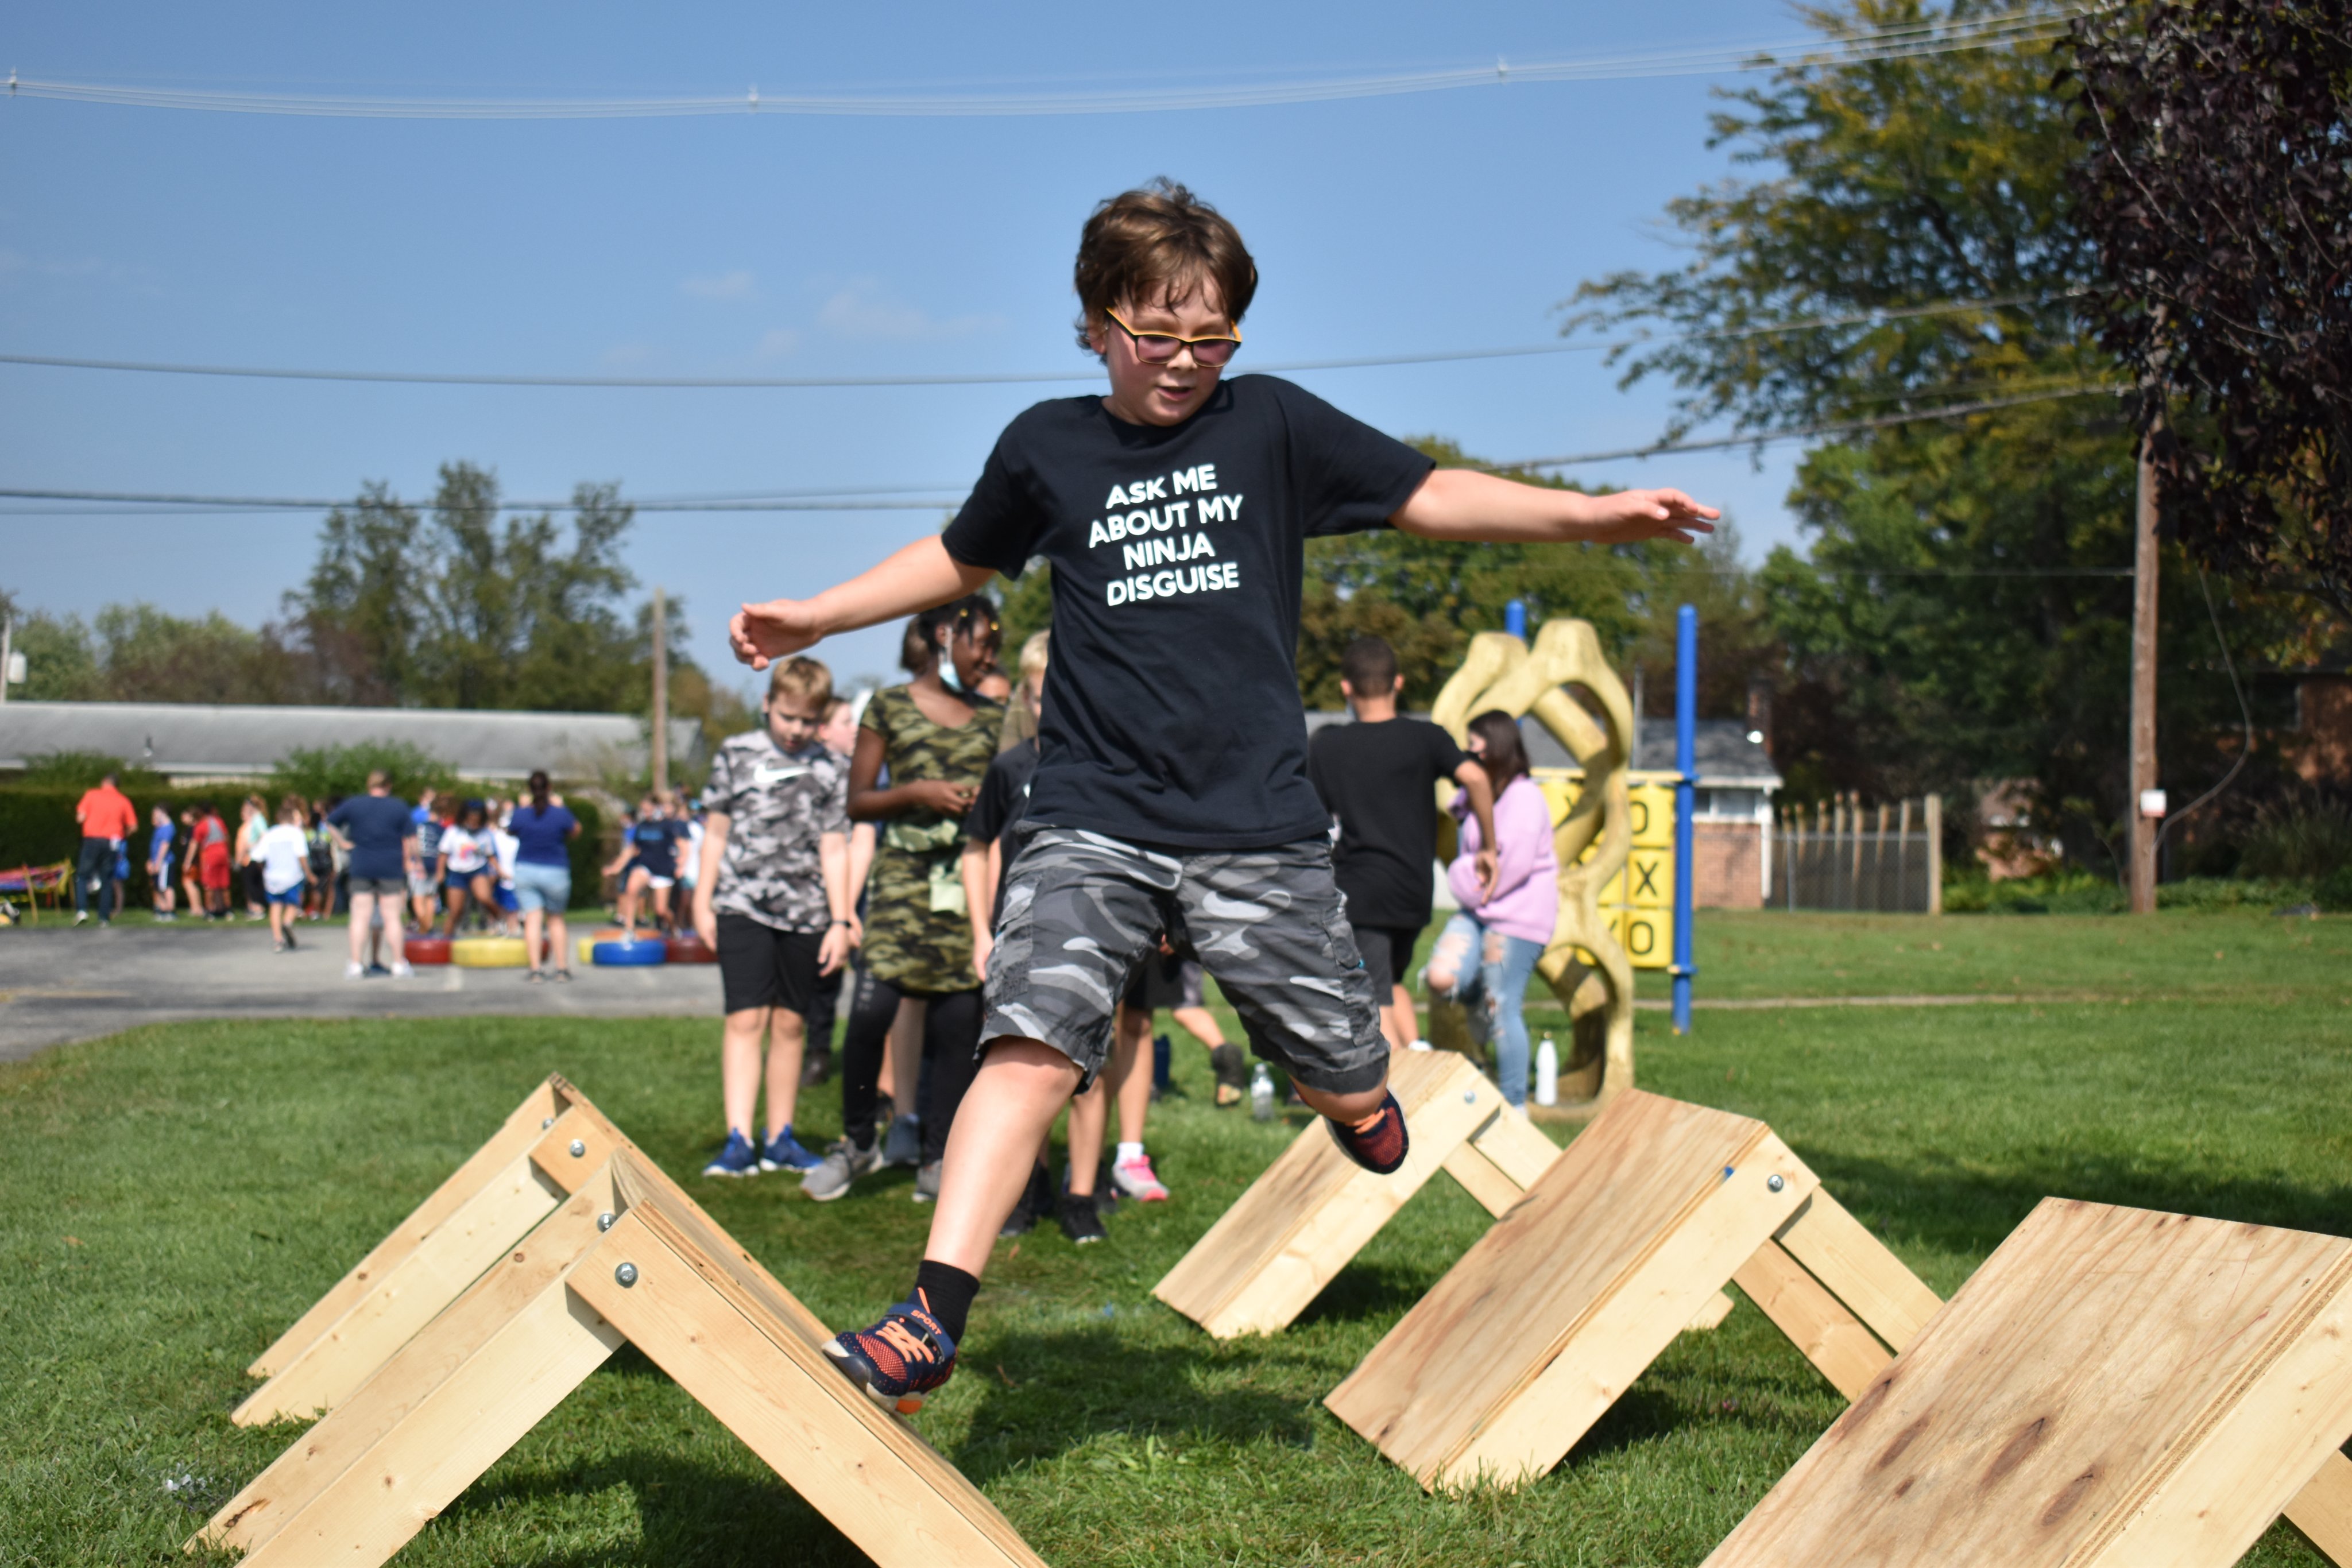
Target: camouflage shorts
[{"x": 1083, "y": 911}]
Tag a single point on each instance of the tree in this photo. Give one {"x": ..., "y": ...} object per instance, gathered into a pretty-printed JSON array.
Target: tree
[
  {"x": 2218, "y": 186},
  {"x": 1909, "y": 247}
]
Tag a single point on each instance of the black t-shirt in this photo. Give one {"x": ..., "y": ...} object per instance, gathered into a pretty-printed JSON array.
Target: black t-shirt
[
  {"x": 1379, "y": 779},
  {"x": 1171, "y": 711},
  {"x": 656, "y": 838},
  {"x": 998, "y": 810}
]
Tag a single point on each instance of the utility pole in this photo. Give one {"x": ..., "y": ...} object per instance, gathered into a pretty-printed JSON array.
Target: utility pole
[
  {"x": 2146, "y": 802},
  {"x": 661, "y": 696},
  {"x": 7, "y": 656}
]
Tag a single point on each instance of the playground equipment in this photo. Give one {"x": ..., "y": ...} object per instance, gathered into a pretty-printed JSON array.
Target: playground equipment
[
  {"x": 488, "y": 953},
  {"x": 1314, "y": 1208},
  {"x": 1617, "y": 1247},
  {"x": 1586, "y": 964},
  {"x": 426, "y": 950},
  {"x": 688, "y": 948},
  {"x": 2115, "y": 1388},
  {"x": 623, "y": 1257},
  {"x": 638, "y": 954}
]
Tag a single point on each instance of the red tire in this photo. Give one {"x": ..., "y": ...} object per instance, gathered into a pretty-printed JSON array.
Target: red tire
[
  {"x": 688, "y": 950},
  {"x": 425, "y": 949}
]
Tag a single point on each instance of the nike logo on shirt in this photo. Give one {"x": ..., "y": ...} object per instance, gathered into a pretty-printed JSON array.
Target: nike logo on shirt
[{"x": 777, "y": 775}]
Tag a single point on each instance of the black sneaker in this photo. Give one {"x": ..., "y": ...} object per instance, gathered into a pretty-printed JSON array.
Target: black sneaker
[
  {"x": 1036, "y": 1201},
  {"x": 1106, "y": 1190},
  {"x": 1081, "y": 1220},
  {"x": 815, "y": 1068}
]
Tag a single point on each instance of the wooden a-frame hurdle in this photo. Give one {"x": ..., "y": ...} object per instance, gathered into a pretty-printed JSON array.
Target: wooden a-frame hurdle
[
  {"x": 1314, "y": 1209},
  {"x": 1549, "y": 1318},
  {"x": 2115, "y": 1388},
  {"x": 624, "y": 1257}
]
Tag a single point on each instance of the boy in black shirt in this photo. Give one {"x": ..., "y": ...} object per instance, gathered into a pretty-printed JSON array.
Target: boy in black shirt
[
  {"x": 1375, "y": 777},
  {"x": 1171, "y": 790}
]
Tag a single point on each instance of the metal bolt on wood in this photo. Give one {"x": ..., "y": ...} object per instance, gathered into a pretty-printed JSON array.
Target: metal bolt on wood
[
  {"x": 578, "y": 1148},
  {"x": 625, "y": 1275},
  {"x": 545, "y": 1123},
  {"x": 605, "y": 1220},
  {"x": 1774, "y": 1183}
]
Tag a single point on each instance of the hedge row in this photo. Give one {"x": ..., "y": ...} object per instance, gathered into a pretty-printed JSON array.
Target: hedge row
[{"x": 38, "y": 827}]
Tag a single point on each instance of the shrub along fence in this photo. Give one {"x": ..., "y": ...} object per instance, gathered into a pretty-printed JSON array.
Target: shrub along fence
[{"x": 38, "y": 827}]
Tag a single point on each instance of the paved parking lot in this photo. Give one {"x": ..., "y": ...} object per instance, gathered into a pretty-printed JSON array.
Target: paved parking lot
[{"x": 60, "y": 984}]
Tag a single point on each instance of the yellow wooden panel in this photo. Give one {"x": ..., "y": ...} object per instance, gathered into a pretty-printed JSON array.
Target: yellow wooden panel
[
  {"x": 1648, "y": 937},
  {"x": 1651, "y": 814},
  {"x": 2114, "y": 1388},
  {"x": 1650, "y": 878},
  {"x": 1559, "y": 794},
  {"x": 1612, "y": 892}
]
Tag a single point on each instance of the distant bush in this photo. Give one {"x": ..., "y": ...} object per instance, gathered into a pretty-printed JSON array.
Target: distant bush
[
  {"x": 2063, "y": 891},
  {"x": 2335, "y": 891},
  {"x": 2304, "y": 840},
  {"x": 328, "y": 771},
  {"x": 81, "y": 770}
]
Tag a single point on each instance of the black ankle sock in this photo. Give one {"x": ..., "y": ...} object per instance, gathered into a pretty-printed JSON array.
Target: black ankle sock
[{"x": 946, "y": 1292}]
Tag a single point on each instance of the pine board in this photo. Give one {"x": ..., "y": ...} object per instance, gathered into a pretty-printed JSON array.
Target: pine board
[
  {"x": 1620, "y": 1245},
  {"x": 2114, "y": 1388}
]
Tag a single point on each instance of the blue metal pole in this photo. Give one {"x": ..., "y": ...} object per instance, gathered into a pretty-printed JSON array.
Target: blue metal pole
[
  {"x": 1685, "y": 765},
  {"x": 1515, "y": 619}
]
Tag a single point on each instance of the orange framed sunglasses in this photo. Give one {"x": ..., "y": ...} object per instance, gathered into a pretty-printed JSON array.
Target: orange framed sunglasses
[{"x": 1160, "y": 348}]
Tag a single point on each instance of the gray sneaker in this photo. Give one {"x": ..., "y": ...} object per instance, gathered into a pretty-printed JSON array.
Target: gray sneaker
[
  {"x": 842, "y": 1164},
  {"x": 904, "y": 1146},
  {"x": 926, "y": 1183}
]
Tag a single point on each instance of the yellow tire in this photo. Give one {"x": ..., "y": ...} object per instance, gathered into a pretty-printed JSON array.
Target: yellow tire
[{"x": 488, "y": 952}]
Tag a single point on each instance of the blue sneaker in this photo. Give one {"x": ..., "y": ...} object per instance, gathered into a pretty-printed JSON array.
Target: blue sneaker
[
  {"x": 899, "y": 1360},
  {"x": 785, "y": 1152},
  {"x": 740, "y": 1157}
]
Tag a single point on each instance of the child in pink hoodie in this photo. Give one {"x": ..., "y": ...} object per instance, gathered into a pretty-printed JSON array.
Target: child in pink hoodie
[{"x": 1507, "y": 931}]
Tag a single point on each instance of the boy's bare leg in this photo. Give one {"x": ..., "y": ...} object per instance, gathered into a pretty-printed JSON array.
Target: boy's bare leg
[
  {"x": 1200, "y": 1024},
  {"x": 1407, "y": 1019},
  {"x": 1347, "y": 1108},
  {"x": 1014, "y": 1099},
  {"x": 1131, "y": 1071},
  {"x": 740, "y": 1039},
  {"x": 1089, "y": 1114},
  {"x": 787, "y": 1037}
]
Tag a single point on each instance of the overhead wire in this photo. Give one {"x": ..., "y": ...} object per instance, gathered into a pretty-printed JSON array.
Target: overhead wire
[
  {"x": 1005, "y": 377},
  {"x": 1908, "y": 40}
]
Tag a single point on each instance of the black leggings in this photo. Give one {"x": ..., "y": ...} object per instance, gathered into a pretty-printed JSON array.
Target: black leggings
[{"x": 950, "y": 1036}]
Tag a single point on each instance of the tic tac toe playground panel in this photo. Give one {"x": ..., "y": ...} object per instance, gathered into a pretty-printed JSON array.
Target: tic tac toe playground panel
[
  {"x": 1614, "y": 1250},
  {"x": 1314, "y": 1208},
  {"x": 627, "y": 1258},
  {"x": 2115, "y": 1388}
]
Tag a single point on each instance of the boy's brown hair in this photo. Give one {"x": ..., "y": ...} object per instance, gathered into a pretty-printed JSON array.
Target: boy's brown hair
[
  {"x": 802, "y": 679},
  {"x": 1158, "y": 245}
]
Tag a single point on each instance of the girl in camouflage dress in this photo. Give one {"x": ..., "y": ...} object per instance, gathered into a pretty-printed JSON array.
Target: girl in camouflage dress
[{"x": 936, "y": 736}]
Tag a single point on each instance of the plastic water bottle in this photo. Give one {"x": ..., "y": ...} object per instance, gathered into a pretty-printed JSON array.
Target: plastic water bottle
[
  {"x": 1261, "y": 1094},
  {"x": 1547, "y": 1072}
]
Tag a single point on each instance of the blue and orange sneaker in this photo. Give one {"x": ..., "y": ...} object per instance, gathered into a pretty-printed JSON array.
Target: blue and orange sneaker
[
  {"x": 1378, "y": 1142},
  {"x": 899, "y": 1360}
]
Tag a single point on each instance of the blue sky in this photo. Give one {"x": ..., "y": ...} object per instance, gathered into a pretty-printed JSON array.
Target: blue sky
[{"x": 771, "y": 244}]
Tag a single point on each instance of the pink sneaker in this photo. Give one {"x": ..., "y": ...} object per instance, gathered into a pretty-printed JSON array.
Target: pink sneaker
[{"x": 1136, "y": 1181}]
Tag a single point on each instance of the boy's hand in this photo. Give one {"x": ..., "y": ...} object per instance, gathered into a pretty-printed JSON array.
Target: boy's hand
[
  {"x": 1633, "y": 515},
  {"x": 983, "y": 944},
  {"x": 833, "y": 951},
  {"x": 761, "y": 633},
  {"x": 706, "y": 925}
]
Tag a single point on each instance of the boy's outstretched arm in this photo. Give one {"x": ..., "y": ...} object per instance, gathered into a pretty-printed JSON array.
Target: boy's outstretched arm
[
  {"x": 921, "y": 575},
  {"x": 1463, "y": 504}
]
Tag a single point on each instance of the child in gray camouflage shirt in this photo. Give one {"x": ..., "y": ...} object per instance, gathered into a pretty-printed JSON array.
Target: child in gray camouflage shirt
[{"x": 772, "y": 901}]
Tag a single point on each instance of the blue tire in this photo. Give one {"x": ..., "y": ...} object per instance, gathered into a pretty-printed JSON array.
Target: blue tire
[{"x": 630, "y": 954}]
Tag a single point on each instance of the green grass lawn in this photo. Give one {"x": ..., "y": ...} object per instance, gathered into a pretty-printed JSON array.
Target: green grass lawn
[{"x": 177, "y": 1195}]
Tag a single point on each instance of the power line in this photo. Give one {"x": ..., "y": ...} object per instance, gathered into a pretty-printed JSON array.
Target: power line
[
  {"x": 1909, "y": 41},
  {"x": 1767, "y": 437},
  {"x": 1441, "y": 356}
]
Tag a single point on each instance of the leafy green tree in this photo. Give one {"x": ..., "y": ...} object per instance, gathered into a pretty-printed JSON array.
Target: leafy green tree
[
  {"x": 317, "y": 773},
  {"x": 2217, "y": 181},
  {"x": 1909, "y": 246},
  {"x": 356, "y": 617},
  {"x": 60, "y": 660}
]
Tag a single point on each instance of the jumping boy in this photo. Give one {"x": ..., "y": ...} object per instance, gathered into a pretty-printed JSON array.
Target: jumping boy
[
  {"x": 772, "y": 900},
  {"x": 1171, "y": 790}
]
